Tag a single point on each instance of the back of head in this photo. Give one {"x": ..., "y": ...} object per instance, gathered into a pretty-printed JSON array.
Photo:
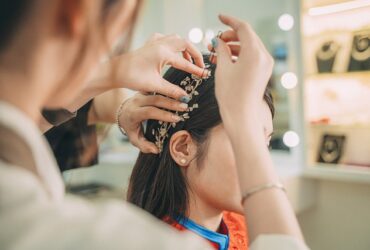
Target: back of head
[{"x": 157, "y": 183}]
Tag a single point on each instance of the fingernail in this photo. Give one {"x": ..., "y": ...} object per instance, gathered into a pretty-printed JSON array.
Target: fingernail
[
  {"x": 214, "y": 42},
  {"x": 206, "y": 74},
  {"x": 185, "y": 99},
  {"x": 176, "y": 118},
  {"x": 184, "y": 106}
]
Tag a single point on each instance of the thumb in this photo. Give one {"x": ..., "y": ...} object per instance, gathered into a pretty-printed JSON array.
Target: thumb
[{"x": 222, "y": 50}]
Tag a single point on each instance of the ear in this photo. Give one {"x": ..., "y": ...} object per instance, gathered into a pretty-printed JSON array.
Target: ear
[
  {"x": 70, "y": 17},
  {"x": 182, "y": 147}
]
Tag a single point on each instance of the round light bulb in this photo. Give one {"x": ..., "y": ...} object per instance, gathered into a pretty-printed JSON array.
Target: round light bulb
[
  {"x": 289, "y": 80},
  {"x": 286, "y": 22},
  {"x": 291, "y": 139},
  {"x": 195, "y": 35}
]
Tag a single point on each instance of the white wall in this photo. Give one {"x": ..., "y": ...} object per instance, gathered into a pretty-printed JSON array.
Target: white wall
[{"x": 178, "y": 16}]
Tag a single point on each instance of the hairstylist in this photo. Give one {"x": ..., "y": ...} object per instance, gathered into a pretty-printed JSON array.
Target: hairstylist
[
  {"x": 48, "y": 52},
  {"x": 48, "y": 49}
]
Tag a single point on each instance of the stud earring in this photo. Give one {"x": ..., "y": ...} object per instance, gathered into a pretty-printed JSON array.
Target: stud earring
[{"x": 182, "y": 161}]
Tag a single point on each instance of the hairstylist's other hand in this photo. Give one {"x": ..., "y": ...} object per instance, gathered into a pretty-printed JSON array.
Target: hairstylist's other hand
[
  {"x": 141, "y": 69},
  {"x": 143, "y": 107},
  {"x": 240, "y": 84}
]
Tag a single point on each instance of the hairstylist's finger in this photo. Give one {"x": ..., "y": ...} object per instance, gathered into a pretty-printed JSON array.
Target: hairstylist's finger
[
  {"x": 229, "y": 36},
  {"x": 185, "y": 45},
  {"x": 154, "y": 37},
  {"x": 168, "y": 89},
  {"x": 163, "y": 102},
  {"x": 241, "y": 28},
  {"x": 144, "y": 145},
  {"x": 234, "y": 48},
  {"x": 222, "y": 50},
  {"x": 187, "y": 56},
  {"x": 179, "y": 62},
  {"x": 153, "y": 113},
  {"x": 195, "y": 54},
  {"x": 248, "y": 39},
  {"x": 138, "y": 140}
]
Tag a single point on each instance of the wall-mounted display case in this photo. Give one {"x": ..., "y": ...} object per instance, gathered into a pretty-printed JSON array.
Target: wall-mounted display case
[{"x": 336, "y": 59}]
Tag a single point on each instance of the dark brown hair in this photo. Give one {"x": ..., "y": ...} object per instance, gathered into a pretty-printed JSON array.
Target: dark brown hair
[
  {"x": 157, "y": 183},
  {"x": 11, "y": 14}
]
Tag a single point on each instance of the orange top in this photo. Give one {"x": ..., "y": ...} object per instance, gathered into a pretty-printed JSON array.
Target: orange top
[{"x": 233, "y": 225}]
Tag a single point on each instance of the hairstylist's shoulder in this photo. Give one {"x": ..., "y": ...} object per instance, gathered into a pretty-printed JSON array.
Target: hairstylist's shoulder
[
  {"x": 74, "y": 223},
  {"x": 277, "y": 241},
  {"x": 117, "y": 224}
]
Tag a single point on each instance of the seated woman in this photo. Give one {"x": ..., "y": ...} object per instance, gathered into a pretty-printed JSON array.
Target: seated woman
[{"x": 192, "y": 184}]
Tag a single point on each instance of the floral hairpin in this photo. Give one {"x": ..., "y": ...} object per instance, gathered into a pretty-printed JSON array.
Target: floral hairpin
[{"x": 190, "y": 84}]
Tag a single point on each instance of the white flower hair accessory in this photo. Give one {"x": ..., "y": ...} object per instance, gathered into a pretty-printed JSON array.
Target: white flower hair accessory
[{"x": 190, "y": 84}]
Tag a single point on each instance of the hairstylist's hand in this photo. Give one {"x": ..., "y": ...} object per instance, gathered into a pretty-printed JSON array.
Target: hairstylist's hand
[
  {"x": 143, "y": 107},
  {"x": 141, "y": 69},
  {"x": 240, "y": 84}
]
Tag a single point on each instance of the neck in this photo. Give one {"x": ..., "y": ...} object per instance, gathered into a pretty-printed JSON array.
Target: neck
[
  {"x": 204, "y": 214},
  {"x": 19, "y": 90}
]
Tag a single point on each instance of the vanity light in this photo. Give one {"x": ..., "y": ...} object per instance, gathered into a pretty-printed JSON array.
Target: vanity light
[
  {"x": 286, "y": 22},
  {"x": 289, "y": 80},
  {"x": 195, "y": 35},
  {"x": 291, "y": 139},
  {"x": 339, "y": 7}
]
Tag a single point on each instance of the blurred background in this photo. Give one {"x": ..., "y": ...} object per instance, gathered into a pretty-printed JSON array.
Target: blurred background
[{"x": 321, "y": 88}]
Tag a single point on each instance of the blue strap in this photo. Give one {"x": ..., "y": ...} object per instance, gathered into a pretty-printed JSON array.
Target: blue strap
[{"x": 221, "y": 239}]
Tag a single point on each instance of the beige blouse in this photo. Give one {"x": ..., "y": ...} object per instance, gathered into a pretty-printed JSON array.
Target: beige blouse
[{"x": 35, "y": 212}]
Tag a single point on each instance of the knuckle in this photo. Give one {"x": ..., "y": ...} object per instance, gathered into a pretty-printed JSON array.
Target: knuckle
[
  {"x": 188, "y": 43},
  {"x": 241, "y": 26},
  {"x": 161, "y": 48},
  {"x": 156, "y": 35},
  {"x": 135, "y": 101},
  {"x": 175, "y": 36},
  {"x": 147, "y": 112},
  {"x": 168, "y": 115},
  {"x": 172, "y": 92}
]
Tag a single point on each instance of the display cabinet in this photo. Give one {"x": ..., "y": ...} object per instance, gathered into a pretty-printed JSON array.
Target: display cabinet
[{"x": 336, "y": 87}]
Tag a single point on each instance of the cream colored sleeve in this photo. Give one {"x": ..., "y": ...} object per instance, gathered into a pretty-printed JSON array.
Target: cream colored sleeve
[
  {"x": 29, "y": 220},
  {"x": 275, "y": 241}
]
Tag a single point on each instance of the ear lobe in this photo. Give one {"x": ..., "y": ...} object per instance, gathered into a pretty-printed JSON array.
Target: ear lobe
[
  {"x": 70, "y": 19},
  {"x": 182, "y": 148}
]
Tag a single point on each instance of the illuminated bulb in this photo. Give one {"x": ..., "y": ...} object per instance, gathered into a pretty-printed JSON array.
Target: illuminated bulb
[
  {"x": 289, "y": 80},
  {"x": 291, "y": 139},
  {"x": 286, "y": 22},
  {"x": 195, "y": 35}
]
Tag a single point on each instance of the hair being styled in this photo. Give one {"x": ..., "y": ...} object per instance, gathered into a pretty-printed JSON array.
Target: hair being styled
[
  {"x": 157, "y": 184},
  {"x": 11, "y": 14}
]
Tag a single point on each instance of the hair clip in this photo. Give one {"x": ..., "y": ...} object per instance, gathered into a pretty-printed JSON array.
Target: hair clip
[
  {"x": 190, "y": 84},
  {"x": 212, "y": 54}
]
